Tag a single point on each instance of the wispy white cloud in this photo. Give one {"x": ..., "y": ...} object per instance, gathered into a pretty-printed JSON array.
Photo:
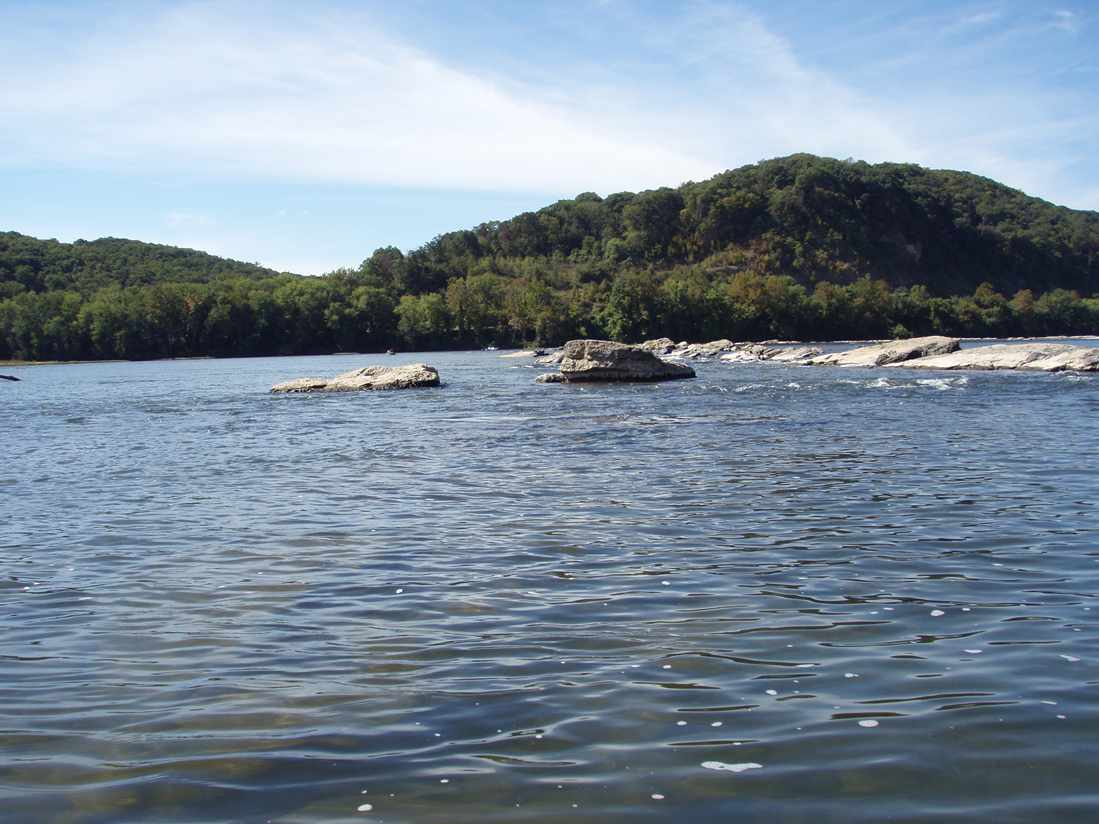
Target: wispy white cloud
[
  {"x": 221, "y": 91},
  {"x": 330, "y": 100},
  {"x": 1065, "y": 20}
]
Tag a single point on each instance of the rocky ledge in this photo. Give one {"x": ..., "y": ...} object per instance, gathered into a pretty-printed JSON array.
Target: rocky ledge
[
  {"x": 728, "y": 351},
  {"x": 409, "y": 376},
  {"x": 603, "y": 360},
  {"x": 894, "y": 351},
  {"x": 1045, "y": 357}
]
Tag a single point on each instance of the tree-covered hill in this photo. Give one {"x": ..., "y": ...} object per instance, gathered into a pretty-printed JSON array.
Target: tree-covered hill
[
  {"x": 814, "y": 219},
  {"x": 797, "y": 247},
  {"x": 30, "y": 264}
]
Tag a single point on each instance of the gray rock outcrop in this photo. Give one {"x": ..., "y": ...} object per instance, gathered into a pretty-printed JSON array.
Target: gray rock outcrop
[
  {"x": 604, "y": 360},
  {"x": 759, "y": 353},
  {"x": 997, "y": 356},
  {"x": 890, "y": 352},
  {"x": 409, "y": 376},
  {"x": 1080, "y": 359}
]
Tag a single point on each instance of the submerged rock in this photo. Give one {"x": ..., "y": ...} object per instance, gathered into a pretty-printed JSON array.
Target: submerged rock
[
  {"x": 409, "y": 376},
  {"x": 997, "y": 356},
  {"x": 604, "y": 360},
  {"x": 890, "y": 352}
]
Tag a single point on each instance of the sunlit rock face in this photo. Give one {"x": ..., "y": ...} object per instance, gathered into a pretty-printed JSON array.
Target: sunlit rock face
[
  {"x": 409, "y": 376},
  {"x": 894, "y": 351},
  {"x": 604, "y": 360}
]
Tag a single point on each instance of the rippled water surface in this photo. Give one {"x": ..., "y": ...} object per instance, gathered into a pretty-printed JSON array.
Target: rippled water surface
[{"x": 771, "y": 594}]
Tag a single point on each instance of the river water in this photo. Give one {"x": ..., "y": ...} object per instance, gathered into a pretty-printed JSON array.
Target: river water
[{"x": 771, "y": 594}]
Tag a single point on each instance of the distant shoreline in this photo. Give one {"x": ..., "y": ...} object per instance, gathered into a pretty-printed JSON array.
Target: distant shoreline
[{"x": 19, "y": 363}]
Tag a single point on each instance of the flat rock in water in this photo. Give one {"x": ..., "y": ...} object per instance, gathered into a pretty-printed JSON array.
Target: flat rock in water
[
  {"x": 890, "y": 352},
  {"x": 997, "y": 356},
  {"x": 796, "y": 354},
  {"x": 409, "y": 376},
  {"x": 604, "y": 360},
  {"x": 1080, "y": 359},
  {"x": 759, "y": 352}
]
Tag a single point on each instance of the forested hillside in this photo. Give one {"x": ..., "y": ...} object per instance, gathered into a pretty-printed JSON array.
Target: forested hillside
[
  {"x": 27, "y": 263},
  {"x": 797, "y": 247}
]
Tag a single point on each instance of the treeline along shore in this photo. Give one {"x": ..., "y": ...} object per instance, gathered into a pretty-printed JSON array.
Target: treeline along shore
[{"x": 797, "y": 248}]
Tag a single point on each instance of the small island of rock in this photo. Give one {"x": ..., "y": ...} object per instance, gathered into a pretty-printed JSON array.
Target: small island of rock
[
  {"x": 409, "y": 376},
  {"x": 603, "y": 360}
]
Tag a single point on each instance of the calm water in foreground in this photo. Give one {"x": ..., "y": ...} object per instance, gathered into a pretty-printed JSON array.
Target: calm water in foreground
[{"x": 772, "y": 594}]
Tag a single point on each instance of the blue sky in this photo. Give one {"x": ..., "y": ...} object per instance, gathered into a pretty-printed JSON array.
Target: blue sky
[{"x": 303, "y": 136}]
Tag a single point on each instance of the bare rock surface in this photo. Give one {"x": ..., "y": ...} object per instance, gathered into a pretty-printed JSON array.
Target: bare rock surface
[
  {"x": 552, "y": 359},
  {"x": 758, "y": 352},
  {"x": 604, "y": 360},
  {"x": 408, "y": 376},
  {"x": 997, "y": 356},
  {"x": 1081, "y": 359},
  {"x": 796, "y": 354},
  {"x": 659, "y": 346},
  {"x": 890, "y": 352}
]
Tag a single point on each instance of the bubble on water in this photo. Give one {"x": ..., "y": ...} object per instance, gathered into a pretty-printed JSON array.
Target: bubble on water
[
  {"x": 937, "y": 613},
  {"x": 656, "y": 797},
  {"x": 868, "y": 722},
  {"x": 1071, "y": 658},
  {"x": 365, "y": 808},
  {"x": 772, "y": 692},
  {"x": 399, "y": 591},
  {"x": 736, "y": 768},
  {"x": 666, "y": 583}
]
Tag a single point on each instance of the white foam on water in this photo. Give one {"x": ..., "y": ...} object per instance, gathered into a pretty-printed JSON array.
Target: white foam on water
[
  {"x": 656, "y": 797},
  {"x": 850, "y": 675},
  {"x": 1071, "y": 658},
  {"x": 937, "y": 613},
  {"x": 365, "y": 808},
  {"x": 1062, "y": 717},
  {"x": 974, "y": 651},
  {"x": 868, "y": 722},
  {"x": 681, "y": 723},
  {"x": 772, "y": 692},
  {"x": 399, "y": 591},
  {"x": 716, "y": 724},
  {"x": 667, "y": 666},
  {"x": 735, "y": 768},
  {"x": 793, "y": 385},
  {"x": 666, "y": 583},
  {"x": 1052, "y": 703}
]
